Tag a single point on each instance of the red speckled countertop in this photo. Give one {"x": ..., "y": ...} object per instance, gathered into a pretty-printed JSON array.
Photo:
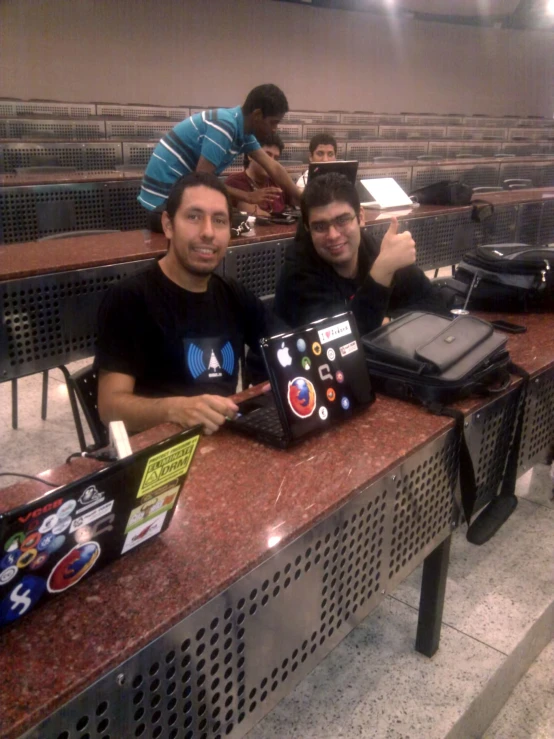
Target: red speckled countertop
[{"x": 219, "y": 532}]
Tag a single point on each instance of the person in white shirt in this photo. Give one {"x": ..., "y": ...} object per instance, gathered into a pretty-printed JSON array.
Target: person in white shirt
[{"x": 323, "y": 148}]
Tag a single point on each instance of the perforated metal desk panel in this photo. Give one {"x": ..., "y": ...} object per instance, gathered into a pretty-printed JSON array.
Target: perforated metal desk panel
[{"x": 271, "y": 559}]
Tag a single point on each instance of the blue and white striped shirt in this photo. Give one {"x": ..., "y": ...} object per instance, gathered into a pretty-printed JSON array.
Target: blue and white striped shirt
[{"x": 217, "y": 135}]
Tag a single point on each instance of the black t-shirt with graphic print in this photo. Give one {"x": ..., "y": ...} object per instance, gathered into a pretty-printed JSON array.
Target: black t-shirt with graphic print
[{"x": 176, "y": 342}]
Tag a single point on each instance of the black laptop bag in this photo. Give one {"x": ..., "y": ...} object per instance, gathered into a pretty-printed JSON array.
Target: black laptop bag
[
  {"x": 505, "y": 277},
  {"x": 435, "y": 359},
  {"x": 439, "y": 360}
]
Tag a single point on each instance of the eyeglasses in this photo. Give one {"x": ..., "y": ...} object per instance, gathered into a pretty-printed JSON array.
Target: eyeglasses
[{"x": 340, "y": 223}]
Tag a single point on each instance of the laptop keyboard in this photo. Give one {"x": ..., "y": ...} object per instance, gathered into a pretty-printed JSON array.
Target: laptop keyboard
[{"x": 264, "y": 419}]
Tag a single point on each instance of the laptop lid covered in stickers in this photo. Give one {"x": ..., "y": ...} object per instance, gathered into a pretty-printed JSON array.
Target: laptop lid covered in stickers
[
  {"x": 53, "y": 542},
  {"x": 318, "y": 374}
]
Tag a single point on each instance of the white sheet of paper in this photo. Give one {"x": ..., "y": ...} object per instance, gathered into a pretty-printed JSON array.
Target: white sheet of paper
[{"x": 387, "y": 193}]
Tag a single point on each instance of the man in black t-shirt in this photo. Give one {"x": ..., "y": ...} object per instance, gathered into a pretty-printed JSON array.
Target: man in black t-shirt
[
  {"x": 334, "y": 266},
  {"x": 170, "y": 338}
]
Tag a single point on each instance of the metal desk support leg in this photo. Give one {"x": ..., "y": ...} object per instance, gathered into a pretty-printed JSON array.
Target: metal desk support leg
[
  {"x": 433, "y": 586},
  {"x": 44, "y": 406},
  {"x": 14, "y": 403}
]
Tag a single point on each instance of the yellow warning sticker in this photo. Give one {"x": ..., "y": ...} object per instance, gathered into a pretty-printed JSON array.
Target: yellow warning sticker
[{"x": 167, "y": 466}]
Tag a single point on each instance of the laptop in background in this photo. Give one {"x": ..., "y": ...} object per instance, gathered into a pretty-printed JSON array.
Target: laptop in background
[
  {"x": 318, "y": 377},
  {"x": 382, "y": 193},
  {"x": 348, "y": 168},
  {"x": 53, "y": 542}
]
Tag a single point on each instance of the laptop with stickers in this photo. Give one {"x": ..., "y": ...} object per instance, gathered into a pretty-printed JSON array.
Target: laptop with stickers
[
  {"x": 318, "y": 377},
  {"x": 53, "y": 542}
]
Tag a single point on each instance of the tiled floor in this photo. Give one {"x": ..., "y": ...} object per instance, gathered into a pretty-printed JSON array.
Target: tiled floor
[{"x": 374, "y": 685}]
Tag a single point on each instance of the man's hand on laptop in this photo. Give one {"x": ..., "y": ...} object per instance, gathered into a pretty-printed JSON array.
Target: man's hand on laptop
[
  {"x": 209, "y": 410},
  {"x": 397, "y": 251}
]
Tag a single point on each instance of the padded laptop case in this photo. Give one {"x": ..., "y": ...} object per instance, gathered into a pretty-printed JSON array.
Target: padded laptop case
[{"x": 436, "y": 359}]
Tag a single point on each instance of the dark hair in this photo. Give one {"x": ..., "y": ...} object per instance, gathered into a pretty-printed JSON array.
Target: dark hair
[
  {"x": 195, "y": 179},
  {"x": 322, "y": 138},
  {"x": 270, "y": 139},
  {"x": 327, "y": 189},
  {"x": 269, "y": 99}
]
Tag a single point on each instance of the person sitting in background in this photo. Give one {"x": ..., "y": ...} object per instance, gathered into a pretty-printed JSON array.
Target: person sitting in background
[
  {"x": 323, "y": 148},
  {"x": 210, "y": 141},
  {"x": 170, "y": 337},
  {"x": 333, "y": 266},
  {"x": 254, "y": 177}
]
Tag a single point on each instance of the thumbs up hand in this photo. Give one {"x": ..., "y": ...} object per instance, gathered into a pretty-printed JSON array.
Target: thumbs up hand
[{"x": 397, "y": 251}]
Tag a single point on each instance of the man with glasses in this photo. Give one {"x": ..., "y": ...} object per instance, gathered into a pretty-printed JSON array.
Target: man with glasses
[{"x": 333, "y": 266}]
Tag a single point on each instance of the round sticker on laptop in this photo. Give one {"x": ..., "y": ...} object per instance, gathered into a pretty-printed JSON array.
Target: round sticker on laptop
[
  {"x": 31, "y": 541},
  {"x": 345, "y": 403},
  {"x": 339, "y": 376},
  {"x": 39, "y": 561},
  {"x": 14, "y": 542},
  {"x": 55, "y": 544},
  {"x": 10, "y": 559},
  {"x": 66, "y": 509},
  {"x": 8, "y": 574},
  {"x": 306, "y": 364},
  {"x": 323, "y": 413},
  {"x": 301, "y": 345},
  {"x": 301, "y": 397},
  {"x": 73, "y": 567},
  {"x": 26, "y": 558},
  {"x": 316, "y": 348},
  {"x": 48, "y": 523},
  {"x": 331, "y": 354},
  {"x": 61, "y": 525}
]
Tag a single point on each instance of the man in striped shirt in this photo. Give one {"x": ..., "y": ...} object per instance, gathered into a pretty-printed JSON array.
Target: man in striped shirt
[{"x": 210, "y": 141}]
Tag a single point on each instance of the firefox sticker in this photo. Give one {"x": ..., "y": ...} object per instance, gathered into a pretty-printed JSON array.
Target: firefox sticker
[{"x": 301, "y": 397}]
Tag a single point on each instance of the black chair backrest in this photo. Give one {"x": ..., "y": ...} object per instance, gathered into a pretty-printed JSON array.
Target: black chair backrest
[{"x": 85, "y": 385}]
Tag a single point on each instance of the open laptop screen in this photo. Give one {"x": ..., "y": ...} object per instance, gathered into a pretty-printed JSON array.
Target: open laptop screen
[
  {"x": 347, "y": 168},
  {"x": 318, "y": 373}
]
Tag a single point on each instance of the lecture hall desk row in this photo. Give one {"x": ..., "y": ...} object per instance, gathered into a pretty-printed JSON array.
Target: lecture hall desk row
[
  {"x": 177, "y": 633},
  {"x": 37, "y": 258},
  {"x": 58, "y": 178}
]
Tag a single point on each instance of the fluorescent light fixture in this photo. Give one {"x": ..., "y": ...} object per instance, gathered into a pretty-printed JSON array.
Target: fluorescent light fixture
[{"x": 550, "y": 7}]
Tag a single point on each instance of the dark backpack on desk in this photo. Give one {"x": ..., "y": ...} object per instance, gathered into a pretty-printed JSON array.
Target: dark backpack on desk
[
  {"x": 436, "y": 359},
  {"x": 508, "y": 277}
]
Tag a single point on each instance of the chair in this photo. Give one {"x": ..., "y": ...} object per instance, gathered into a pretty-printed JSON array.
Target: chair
[
  {"x": 486, "y": 188},
  {"x": 83, "y": 386},
  {"x": 44, "y": 402},
  {"x": 517, "y": 183}
]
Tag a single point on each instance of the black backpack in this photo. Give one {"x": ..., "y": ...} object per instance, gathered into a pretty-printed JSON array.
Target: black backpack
[{"x": 505, "y": 277}]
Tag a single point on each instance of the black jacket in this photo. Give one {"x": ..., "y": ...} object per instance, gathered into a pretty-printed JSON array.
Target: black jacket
[{"x": 308, "y": 288}]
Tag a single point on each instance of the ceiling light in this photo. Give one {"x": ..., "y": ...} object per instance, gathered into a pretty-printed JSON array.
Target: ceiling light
[{"x": 550, "y": 7}]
